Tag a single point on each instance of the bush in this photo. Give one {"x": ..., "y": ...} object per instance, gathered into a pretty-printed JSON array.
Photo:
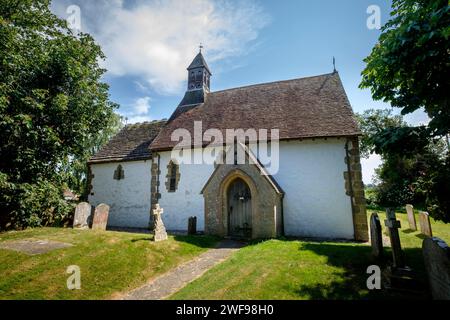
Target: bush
[
  {"x": 32, "y": 205},
  {"x": 436, "y": 187},
  {"x": 388, "y": 195},
  {"x": 371, "y": 196}
]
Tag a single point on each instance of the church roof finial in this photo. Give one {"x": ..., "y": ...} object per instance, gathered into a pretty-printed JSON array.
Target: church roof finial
[
  {"x": 199, "y": 61},
  {"x": 334, "y": 65},
  {"x": 200, "y": 47}
]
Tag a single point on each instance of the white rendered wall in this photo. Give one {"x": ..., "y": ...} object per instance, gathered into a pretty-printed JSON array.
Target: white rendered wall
[
  {"x": 311, "y": 174},
  {"x": 186, "y": 201},
  {"x": 129, "y": 198}
]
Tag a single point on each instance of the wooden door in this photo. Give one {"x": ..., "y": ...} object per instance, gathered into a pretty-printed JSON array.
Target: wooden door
[{"x": 239, "y": 210}]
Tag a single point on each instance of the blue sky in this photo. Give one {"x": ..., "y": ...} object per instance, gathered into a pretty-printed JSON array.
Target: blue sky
[{"x": 149, "y": 44}]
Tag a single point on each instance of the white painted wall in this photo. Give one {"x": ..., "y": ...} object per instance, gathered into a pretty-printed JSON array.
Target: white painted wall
[
  {"x": 186, "y": 201},
  {"x": 311, "y": 174},
  {"x": 129, "y": 198}
]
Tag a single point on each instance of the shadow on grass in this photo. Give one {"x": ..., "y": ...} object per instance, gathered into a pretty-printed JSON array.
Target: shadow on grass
[
  {"x": 421, "y": 236},
  {"x": 354, "y": 260},
  {"x": 141, "y": 239},
  {"x": 407, "y": 231}
]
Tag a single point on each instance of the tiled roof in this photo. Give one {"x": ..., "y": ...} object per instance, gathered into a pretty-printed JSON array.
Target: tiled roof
[
  {"x": 300, "y": 108},
  {"x": 131, "y": 143}
]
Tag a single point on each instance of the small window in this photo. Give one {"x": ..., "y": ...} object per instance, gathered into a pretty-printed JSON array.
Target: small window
[
  {"x": 173, "y": 176},
  {"x": 119, "y": 174}
]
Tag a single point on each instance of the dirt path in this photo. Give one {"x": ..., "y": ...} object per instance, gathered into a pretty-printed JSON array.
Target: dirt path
[{"x": 172, "y": 281}]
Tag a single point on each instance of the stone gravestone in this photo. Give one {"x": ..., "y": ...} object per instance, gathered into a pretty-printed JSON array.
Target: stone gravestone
[
  {"x": 376, "y": 239},
  {"x": 100, "y": 217},
  {"x": 411, "y": 217},
  {"x": 399, "y": 276},
  {"x": 436, "y": 255},
  {"x": 82, "y": 214},
  {"x": 425, "y": 225},
  {"x": 393, "y": 225},
  {"x": 159, "y": 231},
  {"x": 192, "y": 226}
]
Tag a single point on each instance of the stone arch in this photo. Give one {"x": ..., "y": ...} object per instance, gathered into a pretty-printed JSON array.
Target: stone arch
[
  {"x": 223, "y": 193},
  {"x": 267, "y": 200}
]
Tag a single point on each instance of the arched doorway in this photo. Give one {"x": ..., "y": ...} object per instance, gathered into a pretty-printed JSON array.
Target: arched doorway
[{"x": 239, "y": 206}]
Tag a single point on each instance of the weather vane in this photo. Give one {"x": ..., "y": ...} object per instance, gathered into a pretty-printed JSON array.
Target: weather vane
[
  {"x": 334, "y": 65},
  {"x": 201, "y": 47}
]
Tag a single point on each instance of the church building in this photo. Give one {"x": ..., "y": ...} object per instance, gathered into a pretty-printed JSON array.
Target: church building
[{"x": 299, "y": 176}]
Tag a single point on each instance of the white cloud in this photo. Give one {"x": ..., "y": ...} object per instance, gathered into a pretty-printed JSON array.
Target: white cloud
[
  {"x": 141, "y": 105},
  {"x": 137, "y": 119},
  {"x": 156, "y": 40},
  {"x": 138, "y": 111}
]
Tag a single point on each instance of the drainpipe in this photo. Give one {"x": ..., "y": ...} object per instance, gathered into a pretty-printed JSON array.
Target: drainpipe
[{"x": 350, "y": 185}]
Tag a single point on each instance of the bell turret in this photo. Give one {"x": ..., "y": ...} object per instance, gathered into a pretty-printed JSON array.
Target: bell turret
[{"x": 199, "y": 74}]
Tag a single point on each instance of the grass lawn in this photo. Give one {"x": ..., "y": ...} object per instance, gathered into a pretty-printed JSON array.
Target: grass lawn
[
  {"x": 292, "y": 269},
  {"x": 110, "y": 262}
]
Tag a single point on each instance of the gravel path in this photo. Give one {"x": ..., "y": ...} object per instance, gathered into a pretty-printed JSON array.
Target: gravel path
[{"x": 172, "y": 281}]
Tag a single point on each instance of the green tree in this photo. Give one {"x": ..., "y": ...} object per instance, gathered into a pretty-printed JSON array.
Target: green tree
[
  {"x": 374, "y": 121},
  {"x": 408, "y": 68},
  {"x": 74, "y": 168},
  {"x": 54, "y": 109},
  {"x": 409, "y": 65},
  {"x": 408, "y": 173},
  {"x": 394, "y": 177}
]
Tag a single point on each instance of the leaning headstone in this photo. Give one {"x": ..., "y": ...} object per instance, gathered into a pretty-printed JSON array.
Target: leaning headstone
[
  {"x": 83, "y": 211},
  {"x": 411, "y": 217},
  {"x": 159, "y": 231},
  {"x": 100, "y": 217},
  {"x": 376, "y": 239},
  {"x": 192, "y": 226},
  {"x": 393, "y": 225},
  {"x": 436, "y": 254},
  {"x": 425, "y": 225}
]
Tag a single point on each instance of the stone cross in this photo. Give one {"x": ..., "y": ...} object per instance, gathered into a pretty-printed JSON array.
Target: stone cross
[
  {"x": 425, "y": 225},
  {"x": 158, "y": 211},
  {"x": 376, "y": 239},
  {"x": 436, "y": 255},
  {"x": 411, "y": 217},
  {"x": 393, "y": 225},
  {"x": 159, "y": 231}
]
